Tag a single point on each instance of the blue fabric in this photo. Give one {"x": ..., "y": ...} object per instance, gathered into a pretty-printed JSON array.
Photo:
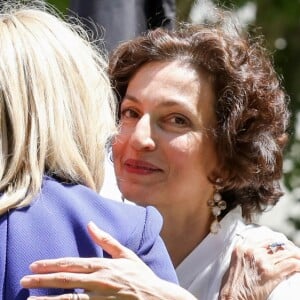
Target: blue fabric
[{"x": 54, "y": 225}]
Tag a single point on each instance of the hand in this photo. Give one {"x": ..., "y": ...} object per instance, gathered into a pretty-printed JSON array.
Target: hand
[
  {"x": 123, "y": 277},
  {"x": 255, "y": 271}
]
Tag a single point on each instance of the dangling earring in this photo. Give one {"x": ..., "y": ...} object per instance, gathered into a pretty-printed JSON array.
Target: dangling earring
[{"x": 217, "y": 205}]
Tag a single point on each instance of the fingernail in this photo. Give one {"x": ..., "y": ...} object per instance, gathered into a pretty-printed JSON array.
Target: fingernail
[
  {"x": 93, "y": 226},
  {"x": 33, "y": 266},
  {"x": 24, "y": 280}
]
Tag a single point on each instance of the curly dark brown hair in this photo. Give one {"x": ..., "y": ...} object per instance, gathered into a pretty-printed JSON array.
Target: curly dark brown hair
[{"x": 251, "y": 106}]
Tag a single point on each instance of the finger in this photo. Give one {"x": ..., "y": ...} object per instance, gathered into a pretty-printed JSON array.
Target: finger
[
  {"x": 287, "y": 251},
  {"x": 282, "y": 255},
  {"x": 235, "y": 268},
  {"x": 262, "y": 251},
  {"x": 108, "y": 243},
  {"x": 57, "y": 280},
  {"x": 288, "y": 267},
  {"x": 67, "y": 264},
  {"x": 73, "y": 296},
  {"x": 259, "y": 243}
]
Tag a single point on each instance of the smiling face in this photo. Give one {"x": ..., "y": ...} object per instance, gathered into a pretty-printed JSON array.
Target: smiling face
[{"x": 164, "y": 152}]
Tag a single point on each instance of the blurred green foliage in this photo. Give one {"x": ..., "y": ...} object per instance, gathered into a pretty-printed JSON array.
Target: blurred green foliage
[{"x": 61, "y": 5}]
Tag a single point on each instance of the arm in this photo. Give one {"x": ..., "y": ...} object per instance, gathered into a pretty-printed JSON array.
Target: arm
[
  {"x": 252, "y": 275},
  {"x": 123, "y": 276}
]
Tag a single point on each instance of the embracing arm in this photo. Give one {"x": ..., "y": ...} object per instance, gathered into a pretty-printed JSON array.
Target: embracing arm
[
  {"x": 123, "y": 277},
  {"x": 252, "y": 275}
]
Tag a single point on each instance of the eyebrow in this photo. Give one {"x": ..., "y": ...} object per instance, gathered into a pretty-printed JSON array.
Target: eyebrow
[{"x": 167, "y": 103}]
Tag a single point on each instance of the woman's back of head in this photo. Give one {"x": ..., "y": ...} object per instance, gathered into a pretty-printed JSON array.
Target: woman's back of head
[{"x": 56, "y": 105}]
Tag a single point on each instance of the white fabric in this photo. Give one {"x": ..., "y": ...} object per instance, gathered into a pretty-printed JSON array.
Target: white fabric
[{"x": 202, "y": 271}]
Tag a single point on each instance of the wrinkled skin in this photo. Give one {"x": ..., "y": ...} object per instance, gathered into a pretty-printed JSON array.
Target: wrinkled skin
[{"x": 255, "y": 271}]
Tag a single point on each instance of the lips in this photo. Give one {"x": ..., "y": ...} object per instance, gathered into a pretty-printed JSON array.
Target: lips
[{"x": 140, "y": 167}]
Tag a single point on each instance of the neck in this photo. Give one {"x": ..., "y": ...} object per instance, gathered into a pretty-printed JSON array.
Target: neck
[{"x": 183, "y": 231}]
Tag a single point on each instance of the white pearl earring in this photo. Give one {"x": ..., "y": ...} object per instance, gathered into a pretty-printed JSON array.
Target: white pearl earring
[{"x": 217, "y": 205}]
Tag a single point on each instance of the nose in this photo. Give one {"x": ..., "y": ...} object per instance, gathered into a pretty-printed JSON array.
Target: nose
[{"x": 142, "y": 136}]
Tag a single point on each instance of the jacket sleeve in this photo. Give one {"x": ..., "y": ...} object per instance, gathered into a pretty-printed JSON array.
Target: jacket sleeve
[
  {"x": 152, "y": 249},
  {"x": 3, "y": 247}
]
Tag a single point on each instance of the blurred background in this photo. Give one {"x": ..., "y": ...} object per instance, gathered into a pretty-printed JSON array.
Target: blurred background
[{"x": 277, "y": 20}]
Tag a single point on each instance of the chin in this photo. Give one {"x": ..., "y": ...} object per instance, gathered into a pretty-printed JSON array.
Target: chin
[{"x": 136, "y": 198}]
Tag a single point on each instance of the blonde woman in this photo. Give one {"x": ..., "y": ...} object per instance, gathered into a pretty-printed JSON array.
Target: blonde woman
[{"x": 57, "y": 112}]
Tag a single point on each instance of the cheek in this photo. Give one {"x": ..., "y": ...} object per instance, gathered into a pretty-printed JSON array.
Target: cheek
[
  {"x": 182, "y": 152},
  {"x": 208, "y": 157},
  {"x": 194, "y": 153}
]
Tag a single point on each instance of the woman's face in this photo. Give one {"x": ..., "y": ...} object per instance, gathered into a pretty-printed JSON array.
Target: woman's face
[{"x": 164, "y": 152}]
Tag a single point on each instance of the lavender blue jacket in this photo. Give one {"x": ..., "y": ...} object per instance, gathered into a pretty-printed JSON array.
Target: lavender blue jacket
[{"x": 54, "y": 225}]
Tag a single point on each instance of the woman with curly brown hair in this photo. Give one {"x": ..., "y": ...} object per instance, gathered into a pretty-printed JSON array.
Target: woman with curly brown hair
[{"x": 203, "y": 124}]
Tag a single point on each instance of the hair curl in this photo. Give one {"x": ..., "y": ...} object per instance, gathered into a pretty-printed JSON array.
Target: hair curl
[{"x": 251, "y": 106}]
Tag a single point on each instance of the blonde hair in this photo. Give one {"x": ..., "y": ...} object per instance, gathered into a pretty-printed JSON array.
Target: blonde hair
[{"x": 56, "y": 106}]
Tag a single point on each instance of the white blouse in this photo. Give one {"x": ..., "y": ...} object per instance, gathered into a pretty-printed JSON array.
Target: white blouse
[{"x": 202, "y": 270}]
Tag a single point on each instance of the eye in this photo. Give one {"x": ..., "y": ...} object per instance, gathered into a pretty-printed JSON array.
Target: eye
[
  {"x": 179, "y": 121},
  {"x": 129, "y": 113}
]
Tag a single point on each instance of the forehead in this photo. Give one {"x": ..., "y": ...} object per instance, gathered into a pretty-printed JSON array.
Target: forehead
[
  {"x": 169, "y": 71},
  {"x": 172, "y": 81}
]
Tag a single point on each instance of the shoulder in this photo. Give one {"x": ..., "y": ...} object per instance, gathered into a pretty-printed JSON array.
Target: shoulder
[
  {"x": 55, "y": 225},
  {"x": 260, "y": 233},
  {"x": 128, "y": 223},
  {"x": 59, "y": 215}
]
